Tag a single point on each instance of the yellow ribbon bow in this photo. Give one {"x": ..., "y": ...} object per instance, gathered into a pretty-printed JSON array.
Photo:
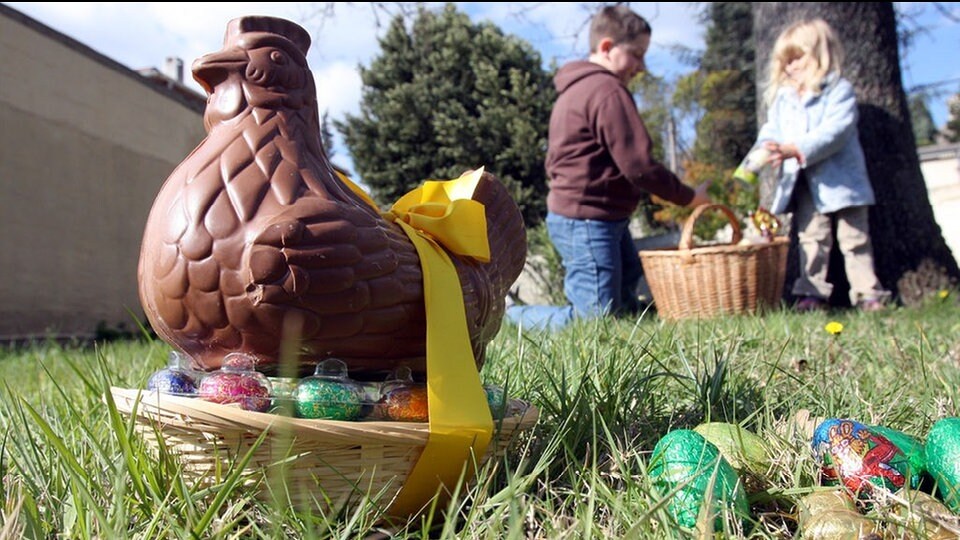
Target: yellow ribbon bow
[
  {"x": 446, "y": 211},
  {"x": 443, "y": 213}
]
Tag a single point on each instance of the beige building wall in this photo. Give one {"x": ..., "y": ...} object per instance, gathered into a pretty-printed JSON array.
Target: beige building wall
[
  {"x": 941, "y": 172},
  {"x": 85, "y": 144}
]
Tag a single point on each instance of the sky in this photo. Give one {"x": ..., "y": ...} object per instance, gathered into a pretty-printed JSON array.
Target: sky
[{"x": 143, "y": 34}]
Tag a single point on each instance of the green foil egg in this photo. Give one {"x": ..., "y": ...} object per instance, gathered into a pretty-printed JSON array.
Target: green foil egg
[
  {"x": 943, "y": 459},
  {"x": 912, "y": 449},
  {"x": 328, "y": 399},
  {"x": 685, "y": 464},
  {"x": 496, "y": 400},
  {"x": 329, "y": 394}
]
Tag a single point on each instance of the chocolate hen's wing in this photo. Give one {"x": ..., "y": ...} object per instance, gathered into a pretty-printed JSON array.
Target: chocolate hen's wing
[{"x": 353, "y": 281}]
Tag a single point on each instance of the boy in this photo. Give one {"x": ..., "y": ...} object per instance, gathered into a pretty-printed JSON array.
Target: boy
[{"x": 599, "y": 163}]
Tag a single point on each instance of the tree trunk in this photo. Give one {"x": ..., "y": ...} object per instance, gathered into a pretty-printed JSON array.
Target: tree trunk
[{"x": 911, "y": 257}]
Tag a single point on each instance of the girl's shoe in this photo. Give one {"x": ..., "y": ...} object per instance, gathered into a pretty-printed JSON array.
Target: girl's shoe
[
  {"x": 871, "y": 305},
  {"x": 810, "y": 303}
]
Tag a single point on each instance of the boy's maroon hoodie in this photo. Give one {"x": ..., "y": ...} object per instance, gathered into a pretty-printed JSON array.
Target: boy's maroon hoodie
[{"x": 599, "y": 152}]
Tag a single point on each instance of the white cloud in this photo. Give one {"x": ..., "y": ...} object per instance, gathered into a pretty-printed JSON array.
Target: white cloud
[{"x": 338, "y": 89}]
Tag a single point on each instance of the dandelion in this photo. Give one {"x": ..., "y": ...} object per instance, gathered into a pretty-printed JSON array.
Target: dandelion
[
  {"x": 833, "y": 327},
  {"x": 943, "y": 294}
]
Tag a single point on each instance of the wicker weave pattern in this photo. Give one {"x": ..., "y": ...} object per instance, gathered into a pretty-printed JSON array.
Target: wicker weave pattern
[
  {"x": 701, "y": 282},
  {"x": 324, "y": 464}
]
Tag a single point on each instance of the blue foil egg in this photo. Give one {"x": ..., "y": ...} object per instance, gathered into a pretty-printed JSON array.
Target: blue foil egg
[{"x": 173, "y": 379}]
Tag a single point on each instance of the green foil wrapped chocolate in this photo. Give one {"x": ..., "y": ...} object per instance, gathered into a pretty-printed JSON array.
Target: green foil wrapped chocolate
[
  {"x": 911, "y": 448},
  {"x": 329, "y": 394},
  {"x": 683, "y": 460},
  {"x": 943, "y": 459}
]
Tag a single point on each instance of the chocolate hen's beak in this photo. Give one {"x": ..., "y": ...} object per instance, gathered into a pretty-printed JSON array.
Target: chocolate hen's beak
[{"x": 211, "y": 69}]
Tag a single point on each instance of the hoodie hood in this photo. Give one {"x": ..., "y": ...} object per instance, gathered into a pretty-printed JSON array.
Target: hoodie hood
[{"x": 576, "y": 71}]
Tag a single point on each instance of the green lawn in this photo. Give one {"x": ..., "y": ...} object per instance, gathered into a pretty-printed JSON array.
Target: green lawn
[{"x": 607, "y": 391}]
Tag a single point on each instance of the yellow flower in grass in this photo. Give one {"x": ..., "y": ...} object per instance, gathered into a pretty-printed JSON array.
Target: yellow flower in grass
[
  {"x": 943, "y": 294},
  {"x": 833, "y": 327}
]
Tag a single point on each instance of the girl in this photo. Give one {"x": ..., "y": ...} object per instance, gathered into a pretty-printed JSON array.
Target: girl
[{"x": 811, "y": 133}]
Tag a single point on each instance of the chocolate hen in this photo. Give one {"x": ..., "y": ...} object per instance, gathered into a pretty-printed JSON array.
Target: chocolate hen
[{"x": 254, "y": 244}]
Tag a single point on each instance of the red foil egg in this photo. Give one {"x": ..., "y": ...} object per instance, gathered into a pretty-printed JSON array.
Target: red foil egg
[
  {"x": 865, "y": 458},
  {"x": 237, "y": 382}
]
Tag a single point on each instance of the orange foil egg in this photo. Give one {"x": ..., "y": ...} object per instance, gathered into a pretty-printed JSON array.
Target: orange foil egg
[{"x": 407, "y": 403}]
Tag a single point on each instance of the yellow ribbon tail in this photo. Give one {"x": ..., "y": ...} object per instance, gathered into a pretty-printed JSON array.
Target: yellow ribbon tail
[
  {"x": 444, "y": 214},
  {"x": 461, "y": 425},
  {"x": 439, "y": 216}
]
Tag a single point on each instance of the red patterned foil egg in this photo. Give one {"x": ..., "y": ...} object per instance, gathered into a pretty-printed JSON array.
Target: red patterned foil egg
[
  {"x": 237, "y": 382},
  {"x": 865, "y": 458}
]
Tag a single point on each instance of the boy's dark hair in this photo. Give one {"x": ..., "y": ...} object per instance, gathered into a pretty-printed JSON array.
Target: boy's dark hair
[{"x": 619, "y": 23}]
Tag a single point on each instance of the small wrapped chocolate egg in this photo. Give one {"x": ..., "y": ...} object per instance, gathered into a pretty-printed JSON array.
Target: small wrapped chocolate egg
[
  {"x": 496, "y": 400},
  {"x": 744, "y": 450},
  {"x": 402, "y": 399},
  {"x": 237, "y": 382},
  {"x": 943, "y": 459},
  {"x": 283, "y": 394},
  {"x": 174, "y": 379},
  {"x": 686, "y": 465},
  {"x": 924, "y": 517},
  {"x": 863, "y": 458},
  {"x": 831, "y": 515},
  {"x": 329, "y": 393}
]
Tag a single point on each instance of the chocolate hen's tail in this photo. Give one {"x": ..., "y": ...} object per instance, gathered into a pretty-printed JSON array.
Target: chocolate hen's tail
[{"x": 485, "y": 285}]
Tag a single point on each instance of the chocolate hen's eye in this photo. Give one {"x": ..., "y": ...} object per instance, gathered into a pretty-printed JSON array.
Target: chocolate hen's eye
[{"x": 278, "y": 58}]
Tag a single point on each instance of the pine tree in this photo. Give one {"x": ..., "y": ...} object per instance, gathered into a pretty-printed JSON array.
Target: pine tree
[
  {"x": 444, "y": 96},
  {"x": 952, "y": 129},
  {"x": 722, "y": 92},
  {"x": 326, "y": 134},
  {"x": 924, "y": 130},
  {"x": 729, "y": 126}
]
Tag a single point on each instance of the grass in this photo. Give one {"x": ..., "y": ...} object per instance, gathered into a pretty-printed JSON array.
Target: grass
[{"x": 607, "y": 391}]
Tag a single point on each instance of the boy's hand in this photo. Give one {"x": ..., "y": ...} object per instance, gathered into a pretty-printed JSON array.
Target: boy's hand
[{"x": 700, "y": 196}]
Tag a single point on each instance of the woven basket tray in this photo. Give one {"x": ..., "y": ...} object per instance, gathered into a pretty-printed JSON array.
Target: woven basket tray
[
  {"x": 701, "y": 282},
  {"x": 323, "y": 464}
]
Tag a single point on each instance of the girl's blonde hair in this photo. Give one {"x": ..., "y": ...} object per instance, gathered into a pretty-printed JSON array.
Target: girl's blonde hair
[{"x": 813, "y": 37}]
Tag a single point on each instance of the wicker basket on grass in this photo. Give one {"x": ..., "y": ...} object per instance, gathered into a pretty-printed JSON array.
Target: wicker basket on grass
[
  {"x": 691, "y": 282},
  {"x": 320, "y": 464}
]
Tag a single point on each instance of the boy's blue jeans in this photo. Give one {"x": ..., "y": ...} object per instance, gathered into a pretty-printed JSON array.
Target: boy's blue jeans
[{"x": 602, "y": 269}]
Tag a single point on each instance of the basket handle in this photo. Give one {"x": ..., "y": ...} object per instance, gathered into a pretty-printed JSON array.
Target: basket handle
[{"x": 686, "y": 236}]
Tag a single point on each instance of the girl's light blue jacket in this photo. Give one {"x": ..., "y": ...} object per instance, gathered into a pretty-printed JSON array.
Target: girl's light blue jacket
[{"x": 824, "y": 128}]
